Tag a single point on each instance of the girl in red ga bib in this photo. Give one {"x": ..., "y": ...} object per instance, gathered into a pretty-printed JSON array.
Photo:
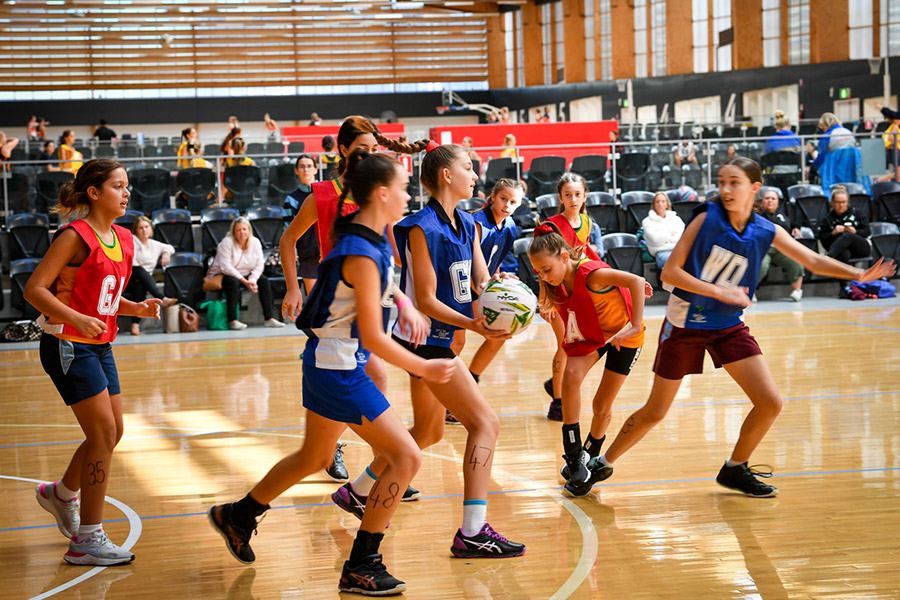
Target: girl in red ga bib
[{"x": 78, "y": 287}]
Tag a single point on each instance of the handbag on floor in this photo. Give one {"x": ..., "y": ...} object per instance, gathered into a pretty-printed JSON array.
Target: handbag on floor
[{"x": 188, "y": 319}]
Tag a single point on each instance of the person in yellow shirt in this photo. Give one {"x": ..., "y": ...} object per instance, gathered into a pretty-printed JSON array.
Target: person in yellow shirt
[
  {"x": 238, "y": 145},
  {"x": 67, "y": 152},
  {"x": 188, "y": 135},
  {"x": 509, "y": 150}
]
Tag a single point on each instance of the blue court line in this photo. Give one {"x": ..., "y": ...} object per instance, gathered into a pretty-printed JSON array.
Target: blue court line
[
  {"x": 869, "y": 326},
  {"x": 519, "y": 414},
  {"x": 521, "y": 491}
]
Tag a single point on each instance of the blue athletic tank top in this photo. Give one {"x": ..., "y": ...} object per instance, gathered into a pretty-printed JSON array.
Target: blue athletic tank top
[
  {"x": 722, "y": 256},
  {"x": 451, "y": 257},
  {"x": 329, "y": 316},
  {"x": 495, "y": 242}
]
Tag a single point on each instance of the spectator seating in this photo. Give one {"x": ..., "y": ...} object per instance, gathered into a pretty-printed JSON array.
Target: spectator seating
[
  {"x": 183, "y": 278},
  {"x": 526, "y": 271},
  {"x": 603, "y": 210},
  {"x": 632, "y": 170},
  {"x": 18, "y": 192},
  {"x": 198, "y": 186},
  {"x": 547, "y": 206},
  {"x": 593, "y": 168},
  {"x": 811, "y": 204},
  {"x": 215, "y": 223},
  {"x": 275, "y": 148},
  {"x": 885, "y": 240},
  {"x": 621, "y": 251},
  {"x": 283, "y": 180},
  {"x": 173, "y": 226},
  {"x": 544, "y": 173},
  {"x": 887, "y": 200},
  {"x": 243, "y": 182},
  {"x": 256, "y": 148},
  {"x": 295, "y": 148},
  {"x": 636, "y": 205},
  {"x": 470, "y": 205},
  {"x": 127, "y": 220},
  {"x": 524, "y": 218},
  {"x": 149, "y": 189},
  {"x": 19, "y": 273},
  {"x": 781, "y": 168},
  {"x": 267, "y": 224},
  {"x": 685, "y": 209},
  {"x": 87, "y": 153},
  {"x": 499, "y": 168},
  {"x": 211, "y": 149},
  {"x": 29, "y": 235},
  {"x": 126, "y": 151},
  {"x": 167, "y": 156},
  {"x": 47, "y": 185},
  {"x": 859, "y": 199}
]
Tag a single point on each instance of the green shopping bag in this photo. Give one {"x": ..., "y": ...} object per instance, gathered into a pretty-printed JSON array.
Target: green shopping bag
[{"x": 216, "y": 314}]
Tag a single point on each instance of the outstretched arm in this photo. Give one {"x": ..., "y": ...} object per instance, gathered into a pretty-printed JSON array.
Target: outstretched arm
[{"x": 824, "y": 265}]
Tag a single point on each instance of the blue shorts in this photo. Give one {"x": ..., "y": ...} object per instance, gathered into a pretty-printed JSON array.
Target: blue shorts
[
  {"x": 79, "y": 371},
  {"x": 343, "y": 396}
]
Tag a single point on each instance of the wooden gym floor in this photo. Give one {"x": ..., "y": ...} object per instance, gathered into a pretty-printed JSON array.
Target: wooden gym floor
[{"x": 205, "y": 418}]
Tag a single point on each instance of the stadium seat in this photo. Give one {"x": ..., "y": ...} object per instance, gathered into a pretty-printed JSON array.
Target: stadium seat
[
  {"x": 275, "y": 149},
  {"x": 685, "y": 210},
  {"x": 621, "y": 251},
  {"x": 47, "y": 186},
  {"x": 636, "y": 205},
  {"x": 885, "y": 240},
  {"x": 243, "y": 182},
  {"x": 593, "y": 168},
  {"x": 295, "y": 148},
  {"x": 781, "y": 168},
  {"x": 29, "y": 235},
  {"x": 526, "y": 271},
  {"x": 167, "y": 156},
  {"x": 267, "y": 224},
  {"x": 198, "y": 186},
  {"x": 173, "y": 226},
  {"x": 499, "y": 168},
  {"x": 547, "y": 206},
  {"x": 19, "y": 273},
  {"x": 211, "y": 149},
  {"x": 886, "y": 195},
  {"x": 632, "y": 170},
  {"x": 524, "y": 218},
  {"x": 811, "y": 204},
  {"x": 603, "y": 210},
  {"x": 149, "y": 189},
  {"x": 127, "y": 220},
  {"x": 126, "y": 151},
  {"x": 183, "y": 277},
  {"x": 283, "y": 180},
  {"x": 215, "y": 223},
  {"x": 18, "y": 193},
  {"x": 544, "y": 173},
  {"x": 256, "y": 148},
  {"x": 470, "y": 205}
]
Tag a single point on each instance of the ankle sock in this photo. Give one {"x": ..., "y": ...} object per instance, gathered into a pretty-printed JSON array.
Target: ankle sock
[
  {"x": 362, "y": 485},
  {"x": 85, "y": 531},
  {"x": 475, "y": 377},
  {"x": 365, "y": 544},
  {"x": 571, "y": 439},
  {"x": 604, "y": 461},
  {"x": 732, "y": 463},
  {"x": 63, "y": 493},
  {"x": 245, "y": 511},
  {"x": 474, "y": 516},
  {"x": 592, "y": 445}
]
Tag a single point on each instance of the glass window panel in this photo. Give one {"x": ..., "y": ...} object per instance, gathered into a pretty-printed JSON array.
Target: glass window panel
[
  {"x": 860, "y": 43},
  {"x": 701, "y": 33},
  {"x": 701, "y": 59},
  {"x": 700, "y": 10},
  {"x": 771, "y": 24},
  {"x": 772, "y": 53}
]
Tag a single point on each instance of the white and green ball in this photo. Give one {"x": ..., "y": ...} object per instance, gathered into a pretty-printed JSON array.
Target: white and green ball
[{"x": 507, "y": 305}]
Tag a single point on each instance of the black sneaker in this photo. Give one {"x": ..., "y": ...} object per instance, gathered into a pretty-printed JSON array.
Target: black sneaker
[
  {"x": 487, "y": 543},
  {"x": 410, "y": 494},
  {"x": 336, "y": 470},
  {"x": 743, "y": 479},
  {"x": 579, "y": 482},
  {"x": 565, "y": 470},
  {"x": 548, "y": 387},
  {"x": 450, "y": 419},
  {"x": 599, "y": 471},
  {"x": 554, "y": 412},
  {"x": 350, "y": 501},
  {"x": 237, "y": 538},
  {"x": 370, "y": 578}
]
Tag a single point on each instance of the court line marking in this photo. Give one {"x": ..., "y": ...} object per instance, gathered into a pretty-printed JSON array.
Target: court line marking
[{"x": 134, "y": 534}]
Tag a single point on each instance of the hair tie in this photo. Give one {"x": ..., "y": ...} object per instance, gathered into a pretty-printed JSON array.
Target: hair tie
[
  {"x": 431, "y": 146},
  {"x": 543, "y": 229}
]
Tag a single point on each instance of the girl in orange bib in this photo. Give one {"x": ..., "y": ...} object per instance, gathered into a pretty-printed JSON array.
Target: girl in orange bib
[{"x": 602, "y": 310}]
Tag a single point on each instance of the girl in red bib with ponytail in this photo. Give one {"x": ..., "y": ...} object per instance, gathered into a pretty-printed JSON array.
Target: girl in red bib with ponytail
[{"x": 78, "y": 287}]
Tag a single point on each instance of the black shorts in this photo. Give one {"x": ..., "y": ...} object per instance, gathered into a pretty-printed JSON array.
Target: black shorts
[
  {"x": 619, "y": 361},
  {"x": 426, "y": 352}
]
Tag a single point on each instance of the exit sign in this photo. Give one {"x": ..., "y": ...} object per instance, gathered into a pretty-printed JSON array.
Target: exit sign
[{"x": 844, "y": 93}]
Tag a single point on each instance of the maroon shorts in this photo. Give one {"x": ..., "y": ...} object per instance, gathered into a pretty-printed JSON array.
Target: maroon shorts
[{"x": 681, "y": 350}]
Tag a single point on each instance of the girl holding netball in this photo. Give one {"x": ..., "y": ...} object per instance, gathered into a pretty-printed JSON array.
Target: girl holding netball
[
  {"x": 78, "y": 288},
  {"x": 602, "y": 310},
  {"x": 579, "y": 232},
  {"x": 714, "y": 269},
  {"x": 442, "y": 265},
  {"x": 344, "y": 320}
]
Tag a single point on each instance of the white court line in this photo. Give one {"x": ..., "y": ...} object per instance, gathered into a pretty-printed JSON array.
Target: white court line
[{"x": 135, "y": 532}]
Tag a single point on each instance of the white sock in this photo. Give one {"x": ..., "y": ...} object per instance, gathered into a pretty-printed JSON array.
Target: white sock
[
  {"x": 604, "y": 461},
  {"x": 474, "y": 516},
  {"x": 731, "y": 463},
  {"x": 64, "y": 493},
  {"x": 362, "y": 485},
  {"x": 85, "y": 531}
]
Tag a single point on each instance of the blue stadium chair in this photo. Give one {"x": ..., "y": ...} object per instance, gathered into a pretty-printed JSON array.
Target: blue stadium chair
[
  {"x": 602, "y": 208},
  {"x": 547, "y": 206},
  {"x": 215, "y": 223},
  {"x": 19, "y": 273},
  {"x": 621, "y": 251}
]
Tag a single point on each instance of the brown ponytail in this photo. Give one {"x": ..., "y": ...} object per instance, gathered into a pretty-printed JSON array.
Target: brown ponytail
[
  {"x": 73, "y": 198},
  {"x": 549, "y": 241}
]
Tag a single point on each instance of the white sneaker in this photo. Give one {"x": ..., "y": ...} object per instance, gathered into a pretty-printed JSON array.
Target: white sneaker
[
  {"x": 237, "y": 326},
  {"x": 66, "y": 513},
  {"x": 97, "y": 550},
  {"x": 754, "y": 299},
  {"x": 796, "y": 295},
  {"x": 274, "y": 323}
]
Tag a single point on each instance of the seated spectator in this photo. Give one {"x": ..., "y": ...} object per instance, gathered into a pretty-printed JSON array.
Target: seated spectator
[
  {"x": 843, "y": 231},
  {"x": 49, "y": 149},
  {"x": 494, "y": 117},
  {"x": 768, "y": 207},
  {"x": 67, "y": 152},
  {"x": 308, "y": 244},
  {"x": 686, "y": 153},
  {"x": 662, "y": 229},
  {"x": 731, "y": 151},
  {"x": 105, "y": 134},
  {"x": 838, "y": 160},
  {"x": 271, "y": 127},
  {"x": 147, "y": 252},
  {"x": 193, "y": 150},
  {"x": 467, "y": 145},
  {"x": 188, "y": 134},
  {"x": 614, "y": 145},
  {"x": 6, "y": 146},
  {"x": 509, "y": 147},
  {"x": 783, "y": 139},
  {"x": 237, "y": 154},
  {"x": 239, "y": 259},
  {"x": 314, "y": 120}
]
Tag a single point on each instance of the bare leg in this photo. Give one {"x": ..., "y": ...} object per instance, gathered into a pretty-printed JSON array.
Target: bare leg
[
  {"x": 484, "y": 355},
  {"x": 754, "y": 377},
  {"x": 459, "y": 341},
  {"x": 606, "y": 394},
  {"x": 377, "y": 373},
  {"x": 577, "y": 368},
  {"x": 645, "y": 418},
  {"x": 559, "y": 359}
]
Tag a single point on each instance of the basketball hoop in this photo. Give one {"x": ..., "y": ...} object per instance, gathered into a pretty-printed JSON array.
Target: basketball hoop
[
  {"x": 440, "y": 109},
  {"x": 874, "y": 65}
]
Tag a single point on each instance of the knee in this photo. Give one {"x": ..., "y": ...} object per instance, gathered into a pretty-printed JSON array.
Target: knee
[
  {"x": 770, "y": 406},
  {"x": 104, "y": 439},
  {"x": 409, "y": 460},
  {"x": 427, "y": 434},
  {"x": 486, "y": 425},
  {"x": 651, "y": 415}
]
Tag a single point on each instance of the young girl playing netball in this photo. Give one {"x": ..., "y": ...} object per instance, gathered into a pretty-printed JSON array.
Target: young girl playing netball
[
  {"x": 714, "y": 269},
  {"x": 603, "y": 312},
  {"x": 344, "y": 320},
  {"x": 442, "y": 265},
  {"x": 320, "y": 210},
  {"x": 578, "y": 230},
  {"x": 78, "y": 287}
]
